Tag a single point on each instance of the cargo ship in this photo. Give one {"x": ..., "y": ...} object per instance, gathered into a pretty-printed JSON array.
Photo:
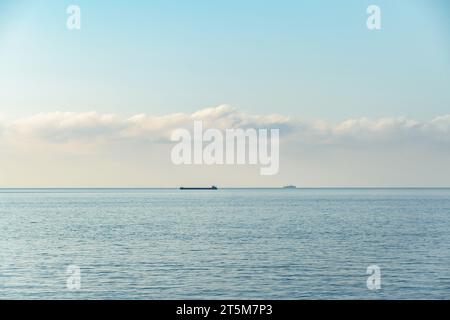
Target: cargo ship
[{"x": 193, "y": 188}]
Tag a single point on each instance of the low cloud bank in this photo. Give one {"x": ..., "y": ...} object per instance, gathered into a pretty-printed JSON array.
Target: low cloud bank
[{"x": 92, "y": 127}]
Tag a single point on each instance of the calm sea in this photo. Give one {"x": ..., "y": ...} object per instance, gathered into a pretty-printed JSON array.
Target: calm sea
[{"x": 225, "y": 244}]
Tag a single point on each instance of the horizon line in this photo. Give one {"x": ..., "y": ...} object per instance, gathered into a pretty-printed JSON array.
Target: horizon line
[{"x": 236, "y": 187}]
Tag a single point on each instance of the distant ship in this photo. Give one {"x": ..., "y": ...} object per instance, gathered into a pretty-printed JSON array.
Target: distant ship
[
  {"x": 211, "y": 188},
  {"x": 290, "y": 187}
]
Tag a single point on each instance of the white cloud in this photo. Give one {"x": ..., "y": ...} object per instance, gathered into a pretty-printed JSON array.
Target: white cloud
[
  {"x": 93, "y": 149},
  {"x": 60, "y": 127},
  {"x": 92, "y": 127},
  {"x": 440, "y": 124}
]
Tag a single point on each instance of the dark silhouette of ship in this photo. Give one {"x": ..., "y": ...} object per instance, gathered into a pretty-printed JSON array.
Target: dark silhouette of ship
[
  {"x": 193, "y": 188},
  {"x": 290, "y": 187}
]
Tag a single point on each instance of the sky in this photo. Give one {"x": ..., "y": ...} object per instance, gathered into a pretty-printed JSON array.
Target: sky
[{"x": 314, "y": 63}]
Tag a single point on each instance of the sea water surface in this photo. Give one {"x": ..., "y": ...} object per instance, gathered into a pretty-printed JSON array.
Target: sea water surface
[{"x": 225, "y": 244}]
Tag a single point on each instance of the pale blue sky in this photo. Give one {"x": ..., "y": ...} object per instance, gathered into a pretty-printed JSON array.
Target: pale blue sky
[{"x": 313, "y": 59}]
